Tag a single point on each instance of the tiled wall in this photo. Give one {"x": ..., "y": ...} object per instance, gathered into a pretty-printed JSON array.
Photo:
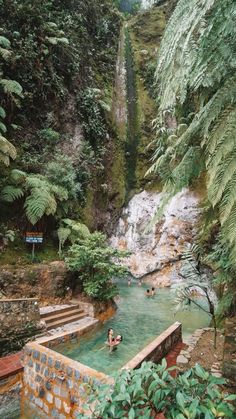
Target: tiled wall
[{"x": 51, "y": 386}]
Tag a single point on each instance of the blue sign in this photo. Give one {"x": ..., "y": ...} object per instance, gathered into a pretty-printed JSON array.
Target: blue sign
[{"x": 34, "y": 237}]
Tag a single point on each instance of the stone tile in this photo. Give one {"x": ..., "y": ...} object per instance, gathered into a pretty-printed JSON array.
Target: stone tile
[
  {"x": 49, "y": 397},
  {"x": 58, "y": 403}
]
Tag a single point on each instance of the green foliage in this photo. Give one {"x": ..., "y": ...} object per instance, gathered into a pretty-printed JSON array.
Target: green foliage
[
  {"x": 224, "y": 280},
  {"x": 62, "y": 172},
  {"x": 48, "y": 134},
  {"x": 42, "y": 197},
  {"x": 7, "y": 150},
  {"x": 196, "y": 125},
  {"x": 91, "y": 109},
  {"x": 93, "y": 260},
  {"x": 10, "y": 90},
  {"x": 6, "y": 236},
  {"x": 151, "y": 389},
  {"x": 71, "y": 230}
]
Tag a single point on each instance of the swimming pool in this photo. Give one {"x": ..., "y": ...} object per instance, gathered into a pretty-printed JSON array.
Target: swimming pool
[{"x": 139, "y": 320}]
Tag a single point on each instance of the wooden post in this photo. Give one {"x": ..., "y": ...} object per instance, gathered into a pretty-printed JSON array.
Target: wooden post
[{"x": 33, "y": 251}]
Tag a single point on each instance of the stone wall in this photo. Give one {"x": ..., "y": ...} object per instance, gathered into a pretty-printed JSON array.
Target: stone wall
[
  {"x": 97, "y": 309},
  {"x": 158, "y": 348},
  {"x": 229, "y": 358},
  {"x": 51, "y": 383},
  {"x": 19, "y": 319}
]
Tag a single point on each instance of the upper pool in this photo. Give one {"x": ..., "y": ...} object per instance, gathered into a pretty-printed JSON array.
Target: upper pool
[{"x": 139, "y": 320}]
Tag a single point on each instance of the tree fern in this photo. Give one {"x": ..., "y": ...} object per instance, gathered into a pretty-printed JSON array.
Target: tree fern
[
  {"x": 71, "y": 230},
  {"x": 41, "y": 196},
  {"x": 197, "y": 59}
]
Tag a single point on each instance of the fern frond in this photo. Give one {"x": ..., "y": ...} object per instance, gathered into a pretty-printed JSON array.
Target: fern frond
[
  {"x": 37, "y": 204},
  {"x": 63, "y": 234},
  {"x": 11, "y": 87},
  {"x": 10, "y": 193},
  {"x": 7, "y": 150},
  {"x": 4, "y": 42},
  {"x": 2, "y": 112},
  {"x": 18, "y": 175}
]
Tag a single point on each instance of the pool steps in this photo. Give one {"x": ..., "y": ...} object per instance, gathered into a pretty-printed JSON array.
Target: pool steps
[{"x": 62, "y": 316}]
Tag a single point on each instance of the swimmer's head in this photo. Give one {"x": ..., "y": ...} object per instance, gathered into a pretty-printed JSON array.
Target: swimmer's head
[
  {"x": 148, "y": 291},
  {"x": 119, "y": 337}
]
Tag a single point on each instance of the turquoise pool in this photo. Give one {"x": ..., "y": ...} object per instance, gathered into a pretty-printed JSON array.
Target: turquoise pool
[{"x": 139, "y": 320}]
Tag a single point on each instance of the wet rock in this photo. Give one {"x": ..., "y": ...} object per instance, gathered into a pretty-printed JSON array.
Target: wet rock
[{"x": 157, "y": 247}]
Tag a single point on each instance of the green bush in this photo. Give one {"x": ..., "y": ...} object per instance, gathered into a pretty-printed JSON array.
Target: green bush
[
  {"x": 149, "y": 390},
  {"x": 93, "y": 260},
  {"x": 48, "y": 134}
]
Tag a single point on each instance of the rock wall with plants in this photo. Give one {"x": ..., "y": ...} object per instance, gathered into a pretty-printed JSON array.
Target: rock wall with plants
[{"x": 57, "y": 138}]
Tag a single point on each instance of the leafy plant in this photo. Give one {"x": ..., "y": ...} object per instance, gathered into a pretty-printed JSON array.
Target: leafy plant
[
  {"x": 10, "y": 90},
  {"x": 149, "y": 390},
  {"x": 42, "y": 197},
  {"x": 195, "y": 280},
  {"x": 48, "y": 134},
  {"x": 196, "y": 123},
  {"x": 91, "y": 109},
  {"x": 71, "y": 230},
  {"x": 93, "y": 260}
]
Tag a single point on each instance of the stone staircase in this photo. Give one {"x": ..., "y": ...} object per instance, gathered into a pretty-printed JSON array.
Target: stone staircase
[{"x": 61, "y": 315}]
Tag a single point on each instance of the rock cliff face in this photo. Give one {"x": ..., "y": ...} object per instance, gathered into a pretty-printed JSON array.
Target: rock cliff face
[
  {"x": 157, "y": 247},
  {"x": 44, "y": 281}
]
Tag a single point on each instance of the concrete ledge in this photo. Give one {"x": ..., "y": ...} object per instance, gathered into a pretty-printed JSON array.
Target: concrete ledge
[
  {"x": 158, "y": 348},
  {"x": 56, "y": 339},
  {"x": 10, "y": 300}
]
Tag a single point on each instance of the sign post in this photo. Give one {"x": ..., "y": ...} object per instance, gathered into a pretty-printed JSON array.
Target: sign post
[{"x": 34, "y": 237}]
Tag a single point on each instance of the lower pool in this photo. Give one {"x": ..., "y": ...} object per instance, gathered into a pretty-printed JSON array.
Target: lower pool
[{"x": 139, "y": 319}]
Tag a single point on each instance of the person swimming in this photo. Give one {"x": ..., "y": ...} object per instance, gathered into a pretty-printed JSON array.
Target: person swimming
[
  {"x": 110, "y": 334},
  {"x": 148, "y": 294},
  {"x": 115, "y": 342},
  {"x": 153, "y": 292}
]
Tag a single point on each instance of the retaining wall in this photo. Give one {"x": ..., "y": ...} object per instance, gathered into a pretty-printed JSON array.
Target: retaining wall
[
  {"x": 158, "y": 348},
  {"x": 52, "y": 383},
  {"x": 19, "y": 320}
]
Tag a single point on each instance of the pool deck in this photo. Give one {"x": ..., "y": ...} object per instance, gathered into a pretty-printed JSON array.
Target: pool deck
[{"x": 10, "y": 365}]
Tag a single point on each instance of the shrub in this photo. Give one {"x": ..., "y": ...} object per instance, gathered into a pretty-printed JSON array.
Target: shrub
[
  {"x": 149, "y": 390},
  {"x": 48, "y": 134},
  {"x": 93, "y": 260}
]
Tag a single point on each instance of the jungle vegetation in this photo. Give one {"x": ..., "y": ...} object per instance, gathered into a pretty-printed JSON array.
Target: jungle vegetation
[
  {"x": 57, "y": 64},
  {"x": 195, "y": 87}
]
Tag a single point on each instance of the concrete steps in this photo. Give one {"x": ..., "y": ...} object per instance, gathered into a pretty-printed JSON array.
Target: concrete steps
[{"x": 58, "y": 317}]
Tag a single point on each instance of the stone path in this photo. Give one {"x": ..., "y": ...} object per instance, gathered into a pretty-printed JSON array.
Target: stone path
[
  {"x": 10, "y": 365},
  {"x": 172, "y": 356}
]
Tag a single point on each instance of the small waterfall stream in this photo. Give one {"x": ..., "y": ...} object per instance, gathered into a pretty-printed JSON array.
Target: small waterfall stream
[{"x": 132, "y": 137}]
